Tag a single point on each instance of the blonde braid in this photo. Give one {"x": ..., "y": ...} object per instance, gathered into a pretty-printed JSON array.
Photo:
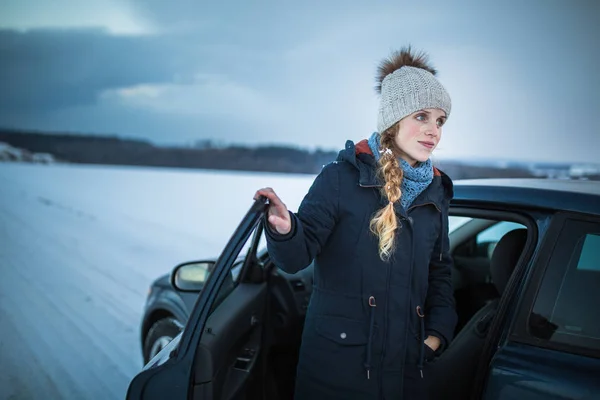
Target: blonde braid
[{"x": 385, "y": 222}]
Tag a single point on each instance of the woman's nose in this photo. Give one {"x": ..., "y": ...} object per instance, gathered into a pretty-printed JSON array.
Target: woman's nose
[{"x": 433, "y": 130}]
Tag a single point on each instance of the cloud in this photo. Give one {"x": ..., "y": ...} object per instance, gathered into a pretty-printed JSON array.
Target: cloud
[
  {"x": 212, "y": 96},
  {"x": 117, "y": 17},
  {"x": 52, "y": 69}
]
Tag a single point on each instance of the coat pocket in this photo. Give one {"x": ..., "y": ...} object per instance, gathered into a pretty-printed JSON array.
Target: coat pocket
[
  {"x": 334, "y": 353},
  {"x": 347, "y": 341},
  {"x": 343, "y": 331}
]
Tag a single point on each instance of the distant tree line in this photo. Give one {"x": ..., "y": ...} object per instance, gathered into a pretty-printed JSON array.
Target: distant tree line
[
  {"x": 458, "y": 170},
  {"x": 117, "y": 151},
  {"x": 112, "y": 150}
]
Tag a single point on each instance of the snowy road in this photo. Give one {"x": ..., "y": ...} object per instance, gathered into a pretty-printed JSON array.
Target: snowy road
[{"x": 79, "y": 246}]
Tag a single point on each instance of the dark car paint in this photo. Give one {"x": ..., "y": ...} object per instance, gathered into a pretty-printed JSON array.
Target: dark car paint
[
  {"x": 533, "y": 373},
  {"x": 164, "y": 302},
  {"x": 516, "y": 370}
]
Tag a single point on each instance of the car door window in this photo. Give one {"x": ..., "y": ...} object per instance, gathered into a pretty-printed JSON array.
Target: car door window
[
  {"x": 565, "y": 310},
  {"x": 495, "y": 232},
  {"x": 456, "y": 221},
  {"x": 233, "y": 279},
  {"x": 237, "y": 266},
  {"x": 492, "y": 235}
]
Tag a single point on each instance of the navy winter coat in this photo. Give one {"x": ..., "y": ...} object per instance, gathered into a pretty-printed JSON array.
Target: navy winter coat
[{"x": 367, "y": 318}]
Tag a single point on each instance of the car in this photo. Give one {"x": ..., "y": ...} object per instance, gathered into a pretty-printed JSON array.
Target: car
[{"x": 526, "y": 279}]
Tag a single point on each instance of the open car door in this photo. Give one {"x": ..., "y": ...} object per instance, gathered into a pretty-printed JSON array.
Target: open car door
[{"x": 217, "y": 354}]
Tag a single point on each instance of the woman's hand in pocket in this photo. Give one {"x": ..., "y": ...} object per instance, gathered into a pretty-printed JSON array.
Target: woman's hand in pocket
[{"x": 432, "y": 343}]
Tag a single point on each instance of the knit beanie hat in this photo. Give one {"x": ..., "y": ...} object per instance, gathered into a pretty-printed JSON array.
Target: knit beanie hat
[{"x": 408, "y": 84}]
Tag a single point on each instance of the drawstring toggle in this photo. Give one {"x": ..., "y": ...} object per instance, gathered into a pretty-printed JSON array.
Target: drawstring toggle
[{"x": 372, "y": 306}]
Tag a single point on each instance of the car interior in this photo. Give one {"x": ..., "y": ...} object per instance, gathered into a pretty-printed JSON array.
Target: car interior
[{"x": 257, "y": 358}]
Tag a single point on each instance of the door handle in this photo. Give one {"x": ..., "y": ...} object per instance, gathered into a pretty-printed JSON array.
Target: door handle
[{"x": 254, "y": 320}]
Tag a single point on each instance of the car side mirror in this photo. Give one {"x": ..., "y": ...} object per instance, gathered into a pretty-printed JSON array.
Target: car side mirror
[{"x": 191, "y": 276}]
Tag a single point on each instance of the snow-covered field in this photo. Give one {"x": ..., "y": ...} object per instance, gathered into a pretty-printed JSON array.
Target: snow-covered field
[{"x": 79, "y": 246}]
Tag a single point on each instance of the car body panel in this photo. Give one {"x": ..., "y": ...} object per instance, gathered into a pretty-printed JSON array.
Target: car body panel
[
  {"x": 526, "y": 372},
  {"x": 165, "y": 302}
]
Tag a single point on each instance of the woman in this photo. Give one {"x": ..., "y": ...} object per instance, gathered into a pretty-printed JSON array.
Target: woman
[{"x": 376, "y": 224}]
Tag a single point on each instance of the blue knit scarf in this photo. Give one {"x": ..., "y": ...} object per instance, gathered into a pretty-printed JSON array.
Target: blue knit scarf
[{"x": 416, "y": 179}]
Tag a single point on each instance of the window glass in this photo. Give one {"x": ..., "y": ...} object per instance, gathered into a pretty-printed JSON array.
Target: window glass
[
  {"x": 455, "y": 222},
  {"x": 232, "y": 280},
  {"x": 495, "y": 232},
  {"x": 588, "y": 261},
  {"x": 565, "y": 311},
  {"x": 262, "y": 244}
]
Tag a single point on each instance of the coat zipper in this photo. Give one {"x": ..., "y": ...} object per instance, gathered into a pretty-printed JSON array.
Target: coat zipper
[{"x": 410, "y": 275}]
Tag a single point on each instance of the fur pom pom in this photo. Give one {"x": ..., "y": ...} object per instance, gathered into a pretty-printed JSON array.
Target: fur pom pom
[{"x": 401, "y": 58}]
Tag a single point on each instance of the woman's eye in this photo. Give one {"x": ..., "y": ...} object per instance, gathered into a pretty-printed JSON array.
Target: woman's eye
[
  {"x": 421, "y": 117},
  {"x": 440, "y": 122}
]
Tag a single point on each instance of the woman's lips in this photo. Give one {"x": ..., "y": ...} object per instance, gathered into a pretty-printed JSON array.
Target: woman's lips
[{"x": 429, "y": 145}]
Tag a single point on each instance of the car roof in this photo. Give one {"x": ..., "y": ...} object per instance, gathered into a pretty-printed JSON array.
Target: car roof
[{"x": 556, "y": 194}]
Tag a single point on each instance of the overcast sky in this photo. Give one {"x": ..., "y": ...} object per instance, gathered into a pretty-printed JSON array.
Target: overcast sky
[{"x": 523, "y": 75}]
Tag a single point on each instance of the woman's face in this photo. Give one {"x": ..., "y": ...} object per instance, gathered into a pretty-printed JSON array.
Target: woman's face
[{"x": 419, "y": 134}]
